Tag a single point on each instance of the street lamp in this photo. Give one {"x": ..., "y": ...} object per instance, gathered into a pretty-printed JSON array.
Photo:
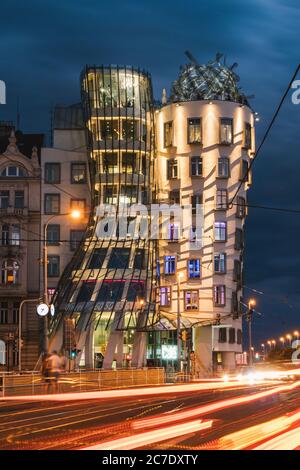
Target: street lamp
[
  {"x": 282, "y": 340},
  {"x": 180, "y": 276},
  {"x": 270, "y": 344},
  {"x": 74, "y": 214},
  {"x": 296, "y": 333},
  {"x": 274, "y": 343},
  {"x": 251, "y": 304},
  {"x": 289, "y": 337}
]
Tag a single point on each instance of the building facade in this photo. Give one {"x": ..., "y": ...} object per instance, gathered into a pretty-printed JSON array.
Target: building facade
[{"x": 20, "y": 223}]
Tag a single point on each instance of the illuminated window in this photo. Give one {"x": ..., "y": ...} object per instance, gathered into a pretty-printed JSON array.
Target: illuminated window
[
  {"x": 129, "y": 129},
  {"x": 110, "y": 162},
  {"x": 168, "y": 134},
  {"x": 15, "y": 234},
  {"x": 9, "y": 272},
  {"x": 194, "y": 268},
  {"x": 172, "y": 169},
  {"x": 109, "y": 129},
  {"x": 129, "y": 194},
  {"x": 191, "y": 300},
  {"x": 219, "y": 296},
  {"x": 226, "y": 131},
  {"x": 196, "y": 166},
  {"x": 52, "y": 204},
  {"x": 128, "y": 162},
  {"x": 220, "y": 231},
  {"x": 4, "y": 199},
  {"x": 110, "y": 195},
  {"x": 52, "y": 172},
  {"x": 78, "y": 173},
  {"x": 220, "y": 263},
  {"x": 223, "y": 167},
  {"x": 78, "y": 204},
  {"x": 241, "y": 207},
  {"x": 170, "y": 265},
  {"x": 221, "y": 199},
  {"x": 2, "y": 353},
  {"x": 194, "y": 131},
  {"x": 165, "y": 296},
  {"x": 247, "y": 136}
]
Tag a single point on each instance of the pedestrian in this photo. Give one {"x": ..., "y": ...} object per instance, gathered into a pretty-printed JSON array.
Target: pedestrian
[
  {"x": 55, "y": 368},
  {"x": 46, "y": 369}
]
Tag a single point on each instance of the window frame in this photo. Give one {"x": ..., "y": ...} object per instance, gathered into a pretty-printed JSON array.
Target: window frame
[
  {"x": 194, "y": 142},
  {"x": 47, "y": 165},
  {"x": 46, "y": 195},
  {"x": 220, "y": 132},
  {"x": 71, "y": 172}
]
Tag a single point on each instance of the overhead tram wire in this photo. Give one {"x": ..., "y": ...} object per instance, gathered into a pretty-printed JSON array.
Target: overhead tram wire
[{"x": 245, "y": 177}]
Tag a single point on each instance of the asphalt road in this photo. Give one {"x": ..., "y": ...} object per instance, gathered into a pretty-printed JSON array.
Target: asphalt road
[{"x": 78, "y": 424}]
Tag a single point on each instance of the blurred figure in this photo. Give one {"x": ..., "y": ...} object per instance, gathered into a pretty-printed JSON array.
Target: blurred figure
[
  {"x": 46, "y": 369},
  {"x": 55, "y": 367}
]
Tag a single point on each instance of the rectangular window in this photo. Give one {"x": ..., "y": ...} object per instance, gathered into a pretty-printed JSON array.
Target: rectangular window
[
  {"x": 76, "y": 237},
  {"x": 110, "y": 195},
  {"x": 173, "y": 232},
  {"x": 234, "y": 305},
  {"x": 78, "y": 173},
  {"x": 239, "y": 336},
  {"x": 53, "y": 266},
  {"x": 86, "y": 291},
  {"x": 165, "y": 296},
  {"x": 78, "y": 204},
  {"x": 239, "y": 239},
  {"x": 4, "y": 199},
  {"x": 19, "y": 199},
  {"x": 15, "y": 312},
  {"x": 128, "y": 162},
  {"x": 139, "y": 259},
  {"x": 191, "y": 300},
  {"x": 194, "y": 268},
  {"x": 220, "y": 231},
  {"x": 135, "y": 291},
  {"x": 222, "y": 199},
  {"x": 231, "y": 335},
  {"x": 5, "y": 235},
  {"x": 52, "y": 204},
  {"x": 244, "y": 175},
  {"x": 110, "y": 291},
  {"x": 220, "y": 263},
  {"x": 129, "y": 129},
  {"x": 97, "y": 258},
  {"x": 110, "y": 162},
  {"x": 237, "y": 271},
  {"x": 241, "y": 207},
  {"x": 222, "y": 335},
  {"x": 119, "y": 258},
  {"x": 15, "y": 234},
  {"x": 53, "y": 234},
  {"x": 247, "y": 136},
  {"x": 223, "y": 167},
  {"x": 172, "y": 169},
  {"x": 219, "y": 296},
  {"x": 196, "y": 166},
  {"x": 52, "y": 173},
  {"x": 194, "y": 131},
  {"x": 3, "y": 313},
  {"x": 109, "y": 129},
  {"x": 196, "y": 200},
  {"x": 174, "y": 196},
  {"x": 168, "y": 134},
  {"x": 226, "y": 131},
  {"x": 170, "y": 265}
]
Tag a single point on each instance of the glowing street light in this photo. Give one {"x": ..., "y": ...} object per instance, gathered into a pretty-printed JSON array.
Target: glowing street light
[
  {"x": 296, "y": 333},
  {"x": 289, "y": 338}
]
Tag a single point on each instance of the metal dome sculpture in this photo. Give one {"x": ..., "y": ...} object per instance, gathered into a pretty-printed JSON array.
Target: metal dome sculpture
[{"x": 213, "y": 81}]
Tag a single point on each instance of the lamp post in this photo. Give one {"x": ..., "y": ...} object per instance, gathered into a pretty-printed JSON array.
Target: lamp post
[
  {"x": 251, "y": 304},
  {"x": 282, "y": 340},
  {"x": 75, "y": 214},
  {"x": 20, "y": 330},
  {"x": 180, "y": 275}
]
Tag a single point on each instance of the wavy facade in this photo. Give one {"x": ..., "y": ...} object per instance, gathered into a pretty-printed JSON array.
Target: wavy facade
[{"x": 109, "y": 287}]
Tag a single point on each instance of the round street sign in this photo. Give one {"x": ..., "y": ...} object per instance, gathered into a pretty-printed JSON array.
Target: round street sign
[{"x": 42, "y": 310}]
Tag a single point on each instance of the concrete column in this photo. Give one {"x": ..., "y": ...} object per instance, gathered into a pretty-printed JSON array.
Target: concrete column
[
  {"x": 229, "y": 363},
  {"x": 203, "y": 351},
  {"x": 139, "y": 350},
  {"x": 115, "y": 344}
]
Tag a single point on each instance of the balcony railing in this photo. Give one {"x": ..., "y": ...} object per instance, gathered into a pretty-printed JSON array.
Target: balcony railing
[{"x": 14, "y": 211}]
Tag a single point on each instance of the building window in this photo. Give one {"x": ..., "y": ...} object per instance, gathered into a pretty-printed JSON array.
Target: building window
[
  {"x": 3, "y": 313},
  {"x": 173, "y": 232},
  {"x": 9, "y": 272},
  {"x": 86, "y": 291},
  {"x": 170, "y": 265},
  {"x": 220, "y": 263},
  {"x": 129, "y": 129},
  {"x": 15, "y": 234},
  {"x": 15, "y": 312},
  {"x": 239, "y": 336},
  {"x": 196, "y": 166},
  {"x": 168, "y": 134},
  {"x": 135, "y": 291},
  {"x": 52, "y": 204},
  {"x": 174, "y": 196},
  {"x": 53, "y": 234},
  {"x": 5, "y": 235},
  {"x": 110, "y": 291},
  {"x": 110, "y": 195},
  {"x": 220, "y": 231},
  {"x": 191, "y": 300},
  {"x": 194, "y": 268},
  {"x": 223, "y": 167},
  {"x": 12, "y": 171},
  {"x": 219, "y": 296},
  {"x": 241, "y": 207},
  {"x": 119, "y": 258},
  {"x": 53, "y": 266},
  {"x": 222, "y": 335},
  {"x": 52, "y": 172},
  {"x": 78, "y": 173},
  {"x": 196, "y": 200},
  {"x": 128, "y": 162},
  {"x": 110, "y": 162},
  {"x": 234, "y": 305},
  {"x": 4, "y": 199},
  {"x": 226, "y": 131},
  {"x": 139, "y": 259},
  {"x": 239, "y": 239},
  {"x": 165, "y": 296},
  {"x": 244, "y": 175},
  {"x": 2, "y": 353},
  {"x": 222, "y": 199},
  {"x": 194, "y": 131},
  {"x": 109, "y": 129},
  {"x": 97, "y": 258},
  {"x": 237, "y": 271},
  {"x": 78, "y": 204},
  {"x": 247, "y": 136},
  {"x": 172, "y": 169},
  {"x": 19, "y": 199},
  {"x": 76, "y": 236}
]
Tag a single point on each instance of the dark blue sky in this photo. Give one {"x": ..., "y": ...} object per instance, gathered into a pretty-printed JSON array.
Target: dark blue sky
[{"x": 44, "y": 44}]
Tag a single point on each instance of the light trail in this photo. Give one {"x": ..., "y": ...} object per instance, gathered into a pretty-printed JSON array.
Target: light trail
[
  {"x": 216, "y": 406},
  {"x": 151, "y": 437},
  {"x": 287, "y": 441}
]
